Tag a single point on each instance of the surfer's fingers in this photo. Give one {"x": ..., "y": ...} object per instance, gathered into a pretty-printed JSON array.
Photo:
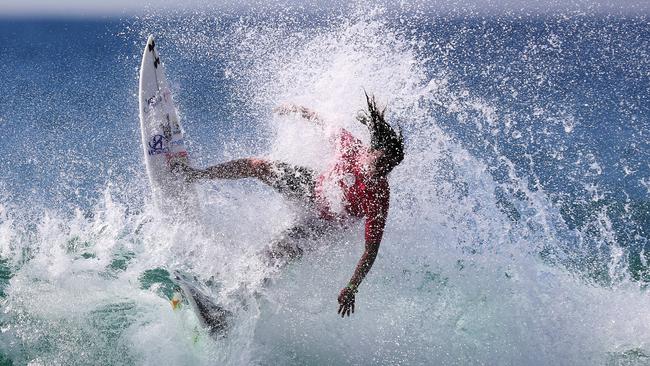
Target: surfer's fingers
[
  {"x": 285, "y": 108},
  {"x": 345, "y": 310},
  {"x": 281, "y": 110}
]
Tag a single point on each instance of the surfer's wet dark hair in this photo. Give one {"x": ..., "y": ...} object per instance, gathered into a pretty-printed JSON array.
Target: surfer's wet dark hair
[{"x": 382, "y": 136}]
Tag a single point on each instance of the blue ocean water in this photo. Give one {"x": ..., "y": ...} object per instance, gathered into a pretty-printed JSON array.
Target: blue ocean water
[{"x": 519, "y": 222}]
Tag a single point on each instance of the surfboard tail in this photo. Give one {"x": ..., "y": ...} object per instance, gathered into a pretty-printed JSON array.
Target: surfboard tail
[{"x": 213, "y": 316}]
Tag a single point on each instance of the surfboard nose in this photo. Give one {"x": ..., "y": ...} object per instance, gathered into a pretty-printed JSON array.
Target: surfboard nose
[{"x": 151, "y": 43}]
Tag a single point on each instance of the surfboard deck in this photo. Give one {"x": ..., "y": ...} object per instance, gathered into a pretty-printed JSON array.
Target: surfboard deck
[
  {"x": 212, "y": 316},
  {"x": 162, "y": 137}
]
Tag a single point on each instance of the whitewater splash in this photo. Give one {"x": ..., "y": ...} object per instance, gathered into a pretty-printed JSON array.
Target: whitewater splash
[{"x": 472, "y": 270}]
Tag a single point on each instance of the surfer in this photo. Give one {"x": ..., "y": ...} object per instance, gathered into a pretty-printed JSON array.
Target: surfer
[{"x": 360, "y": 175}]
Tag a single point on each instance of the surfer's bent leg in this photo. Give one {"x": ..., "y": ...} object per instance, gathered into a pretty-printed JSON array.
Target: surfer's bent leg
[
  {"x": 293, "y": 242},
  {"x": 281, "y": 253},
  {"x": 284, "y": 248}
]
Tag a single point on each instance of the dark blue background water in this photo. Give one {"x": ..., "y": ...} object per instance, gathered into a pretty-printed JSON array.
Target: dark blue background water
[{"x": 570, "y": 92}]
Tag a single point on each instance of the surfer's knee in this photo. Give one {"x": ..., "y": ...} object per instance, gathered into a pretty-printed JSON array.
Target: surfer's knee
[
  {"x": 258, "y": 164},
  {"x": 280, "y": 253},
  {"x": 258, "y": 167}
]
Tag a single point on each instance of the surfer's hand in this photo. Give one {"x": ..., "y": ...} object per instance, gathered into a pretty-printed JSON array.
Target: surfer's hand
[
  {"x": 284, "y": 109},
  {"x": 305, "y": 112},
  {"x": 346, "y": 302}
]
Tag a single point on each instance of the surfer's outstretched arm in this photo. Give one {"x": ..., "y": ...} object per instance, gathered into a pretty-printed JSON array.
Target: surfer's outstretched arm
[
  {"x": 305, "y": 112},
  {"x": 343, "y": 139},
  {"x": 375, "y": 222}
]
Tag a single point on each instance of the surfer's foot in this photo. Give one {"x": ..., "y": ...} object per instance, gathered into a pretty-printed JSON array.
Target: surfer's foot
[{"x": 182, "y": 168}]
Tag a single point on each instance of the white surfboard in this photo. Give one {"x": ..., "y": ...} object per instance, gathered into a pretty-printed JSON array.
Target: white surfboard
[
  {"x": 212, "y": 316},
  {"x": 162, "y": 137}
]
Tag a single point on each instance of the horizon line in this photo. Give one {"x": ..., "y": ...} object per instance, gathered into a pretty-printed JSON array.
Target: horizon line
[{"x": 131, "y": 8}]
